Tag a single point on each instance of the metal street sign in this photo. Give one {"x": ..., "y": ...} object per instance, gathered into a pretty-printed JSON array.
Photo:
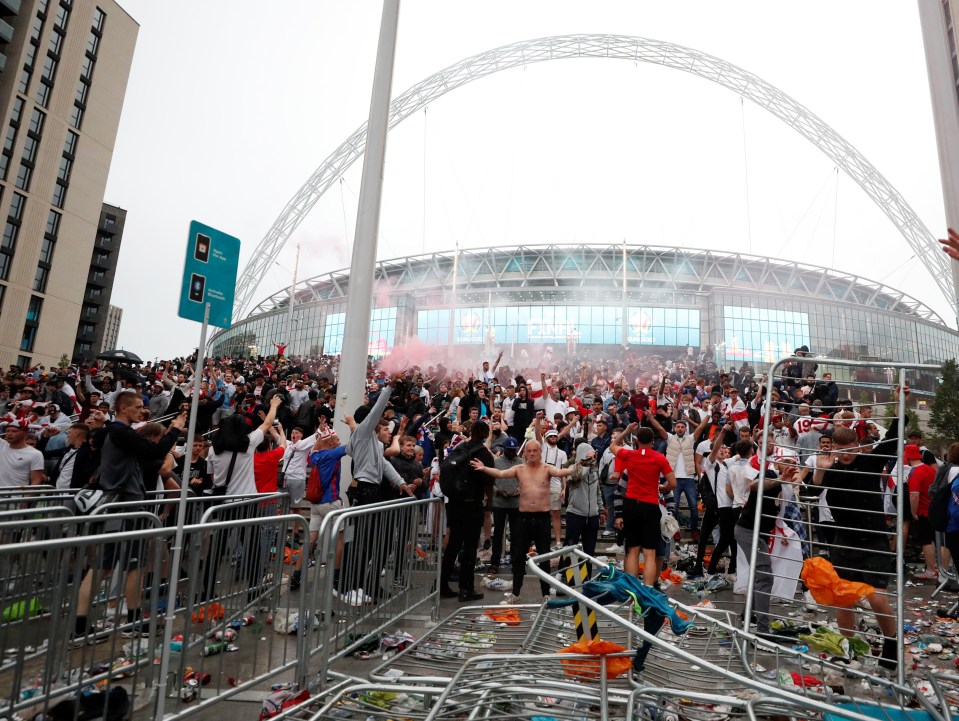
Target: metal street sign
[{"x": 209, "y": 275}]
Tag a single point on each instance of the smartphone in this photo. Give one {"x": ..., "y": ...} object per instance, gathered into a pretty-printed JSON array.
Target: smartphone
[
  {"x": 197, "y": 288},
  {"x": 202, "y": 249}
]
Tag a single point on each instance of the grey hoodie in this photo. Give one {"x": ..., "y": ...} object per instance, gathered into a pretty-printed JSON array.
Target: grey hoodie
[
  {"x": 585, "y": 490},
  {"x": 369, "y": 463}
]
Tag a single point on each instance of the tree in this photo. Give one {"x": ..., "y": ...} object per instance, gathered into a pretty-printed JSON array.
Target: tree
[
  {"x": 944, "y": 411},
  {"x": 64, "y": 361}
]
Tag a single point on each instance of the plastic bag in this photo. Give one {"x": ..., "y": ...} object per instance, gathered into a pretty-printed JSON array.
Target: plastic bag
[
  {"x": 828, "y": 588},
  {"x": 509, "y": 616},
  {"x": 583, "y": 668}
]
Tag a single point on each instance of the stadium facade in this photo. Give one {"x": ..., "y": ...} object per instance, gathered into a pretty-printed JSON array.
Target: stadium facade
[{"x": 737, "y": 307}]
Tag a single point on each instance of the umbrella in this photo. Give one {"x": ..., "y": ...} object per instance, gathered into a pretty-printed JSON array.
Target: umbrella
[{"x": 120, "y": 356}]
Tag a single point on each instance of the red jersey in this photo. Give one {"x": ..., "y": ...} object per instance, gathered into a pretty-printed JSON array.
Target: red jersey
[
  {"x": 265, "y": 467},
  {"x": 644, "y": 468},
  {"x": 920, "y": 480}
]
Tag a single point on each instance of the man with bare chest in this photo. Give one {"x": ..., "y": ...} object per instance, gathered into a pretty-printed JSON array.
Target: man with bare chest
[{"x": 534, "y": 520}]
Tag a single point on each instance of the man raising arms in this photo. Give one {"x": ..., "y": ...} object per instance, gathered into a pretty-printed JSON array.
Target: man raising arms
[
  {"x": 534, "y": 521},
  {"x": 640, "y": 518}
]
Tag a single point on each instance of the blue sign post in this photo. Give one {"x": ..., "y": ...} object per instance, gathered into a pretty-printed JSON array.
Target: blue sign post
[
  {"x": 206, "y": 295},
  {"x": 209, "y": 275}
]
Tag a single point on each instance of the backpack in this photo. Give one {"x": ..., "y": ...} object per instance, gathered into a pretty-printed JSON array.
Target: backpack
[
  {"x": 315, "y": 487},
  {"x": 455, "y": 472},
  {"x": 707, "y": 491},
  {"x": 940, "y": 495}
]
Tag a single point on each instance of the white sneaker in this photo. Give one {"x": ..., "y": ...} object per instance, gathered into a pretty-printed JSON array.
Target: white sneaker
[
  {"x": 615, "y": 549},
  {"x": 810, "y": 602},
  {"x": 510, "y": 600}
]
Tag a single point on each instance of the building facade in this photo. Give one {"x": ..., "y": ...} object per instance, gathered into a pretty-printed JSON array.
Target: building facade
[
  {"x": 598, "y": 300},
  {"x": 96, "y": 321},
  {"x": 111, "y": 329},
  {"x": 61, "y": 94}
]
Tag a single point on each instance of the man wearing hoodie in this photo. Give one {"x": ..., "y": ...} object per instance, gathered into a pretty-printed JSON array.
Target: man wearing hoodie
[{"x": 585, "y": 510}]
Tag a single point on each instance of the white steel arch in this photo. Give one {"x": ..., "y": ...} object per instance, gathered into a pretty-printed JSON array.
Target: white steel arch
[{"x": 620, "y": 47}]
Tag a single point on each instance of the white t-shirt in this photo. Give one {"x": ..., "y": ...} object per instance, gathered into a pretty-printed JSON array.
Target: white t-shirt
[
  {"x": 295, "y": 469},
  {"x": 825, "y": 515},
  {"x": 717, "y": 480},
  {"x": 65, "y": 479},
  {"x": 242, "y": 482},
  {"x": 16, "y": 464},
  {"x": 740, "y": 475},
  {"x": 554, "y": 456}
]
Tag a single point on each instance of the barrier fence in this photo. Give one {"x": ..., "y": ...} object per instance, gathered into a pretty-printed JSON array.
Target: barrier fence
[
  {"x": 61, "y": 569},
  {"x": 837, "y": 496},
  {"x": 376, "y": 564}
]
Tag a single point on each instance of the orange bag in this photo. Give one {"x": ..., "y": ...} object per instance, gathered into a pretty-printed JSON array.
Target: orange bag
[
  {"x": 828, "y": 588},
  {"x": 509, "y": 616},
  {"x": 585, "y": 668}
]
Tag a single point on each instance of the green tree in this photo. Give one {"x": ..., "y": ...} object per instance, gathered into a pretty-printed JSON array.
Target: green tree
[
  {"x": 64, "y": 361},
  {"x": 944, "y": 411}
]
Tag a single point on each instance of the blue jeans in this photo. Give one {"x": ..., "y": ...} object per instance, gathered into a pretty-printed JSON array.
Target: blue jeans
[
  {"x": 609, "y": 491},
  {"x": 686, "y": 487}
]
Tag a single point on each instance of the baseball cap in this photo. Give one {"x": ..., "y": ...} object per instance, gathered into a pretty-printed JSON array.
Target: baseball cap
[
  {"x": 553, "y": 433},
  {"x": 511, "y": 442}
]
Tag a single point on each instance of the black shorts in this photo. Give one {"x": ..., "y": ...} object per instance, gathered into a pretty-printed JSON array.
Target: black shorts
[
  {"x": 641, "y": 524},
  {"x": 922, "y": 530},
  {"x": 127, "y": 554},
  {"x": 868, "y": 561}
]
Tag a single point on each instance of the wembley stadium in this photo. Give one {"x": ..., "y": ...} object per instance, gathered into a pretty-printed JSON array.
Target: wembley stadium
[{"x": 598, "y": 299}]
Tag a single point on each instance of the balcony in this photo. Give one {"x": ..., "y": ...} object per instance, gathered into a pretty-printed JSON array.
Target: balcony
[{"x": 9, "y": 7}]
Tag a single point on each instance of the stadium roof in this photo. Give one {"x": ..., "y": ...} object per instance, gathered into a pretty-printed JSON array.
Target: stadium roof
[{"x": 593, "y": 267}]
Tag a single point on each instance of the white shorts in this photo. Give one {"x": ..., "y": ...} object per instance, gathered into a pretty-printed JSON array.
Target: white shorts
[
  {"x": 319, "y": 511},
  {"x": 556, "y": 500}
]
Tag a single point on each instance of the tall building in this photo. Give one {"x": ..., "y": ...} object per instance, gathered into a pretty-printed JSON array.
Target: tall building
[
  {"x": 61, "y": 93},
  {"x": 95, "y": 316},
  {"x": 111, "y": 329}
]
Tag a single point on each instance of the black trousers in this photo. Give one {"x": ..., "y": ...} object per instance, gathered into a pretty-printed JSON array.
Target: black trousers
[
  {"x": 534, "y": 528},
  {"x": 726, "y": 519},
  {"x": 465, "y": 521},
  {"x": 502, "y": 516}
]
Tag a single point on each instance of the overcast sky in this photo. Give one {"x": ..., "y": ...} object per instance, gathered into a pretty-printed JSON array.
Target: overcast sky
[{"x": 232, "y": 105}]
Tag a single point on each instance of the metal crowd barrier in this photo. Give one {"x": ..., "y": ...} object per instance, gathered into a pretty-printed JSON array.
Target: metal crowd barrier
[
  {"x": 371, "y": 571},
  {"x": 436, "y": 655},
  {"x": 882, "y": 561},
  {"x": 767, "y": 669},
  {"x": 236, "y": 568}
]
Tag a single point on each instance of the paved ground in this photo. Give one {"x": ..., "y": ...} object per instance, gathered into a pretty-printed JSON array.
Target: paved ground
[{"x": 923, "y": 632}]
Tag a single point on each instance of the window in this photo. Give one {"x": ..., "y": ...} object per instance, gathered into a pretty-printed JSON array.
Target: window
[
  {"x": 76, "y": 117},
  {"x": 70, "y": 144},
  {"x": 98, "y": 19},
  {"x": 36, "y": 122},
  {"x": 90, "y": 311},
  {"x": 53, "y": 224},
  {"x": 84, "y": 347},
  {"x": 11, "y": 137},
  {"x": 101, "y": 258},
  {"x": 33, "y": 322},
  {"x": 33, "y": 310},
  {"x": 46, "y": 250},
  {"x": 24, "y": 175},
  {"x": 40, "y": 280},
  {"x": 23, "y": 361},
  {"x": 59, "y": 195},
  {"x": 87, "y": 328},
  {"x": 62, "y": 17},
  {"x": 98, "y": 275},
  {"x": 30, "y": 150},
  {"x": 6, "y": 259}
]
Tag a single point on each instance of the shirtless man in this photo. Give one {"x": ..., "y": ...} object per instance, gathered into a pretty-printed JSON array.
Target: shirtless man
[{"x": 534, "y": 521}]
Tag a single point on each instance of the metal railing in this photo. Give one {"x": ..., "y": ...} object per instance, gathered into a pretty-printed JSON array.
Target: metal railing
[
  {"x": 371, "y": 571},
  {"x": 863, "y": 483}
]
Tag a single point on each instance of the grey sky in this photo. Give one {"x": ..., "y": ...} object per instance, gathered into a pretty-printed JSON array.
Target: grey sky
[{"x": 232, "y": 105}]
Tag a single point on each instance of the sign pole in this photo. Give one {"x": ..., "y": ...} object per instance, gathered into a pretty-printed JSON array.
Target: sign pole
[{"x": 181, "y": 519}]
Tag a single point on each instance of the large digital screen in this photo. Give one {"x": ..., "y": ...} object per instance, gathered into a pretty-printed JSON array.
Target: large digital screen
[
  {"x": 550, "y": 325},
  {"x": 762, "y": 335}
]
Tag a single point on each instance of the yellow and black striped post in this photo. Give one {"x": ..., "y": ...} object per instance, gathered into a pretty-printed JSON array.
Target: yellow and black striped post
[{"x": 576, "y": 577}]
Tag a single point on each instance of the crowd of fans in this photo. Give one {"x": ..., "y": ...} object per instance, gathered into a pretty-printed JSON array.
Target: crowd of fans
[{"x": 617, "y": 444}]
